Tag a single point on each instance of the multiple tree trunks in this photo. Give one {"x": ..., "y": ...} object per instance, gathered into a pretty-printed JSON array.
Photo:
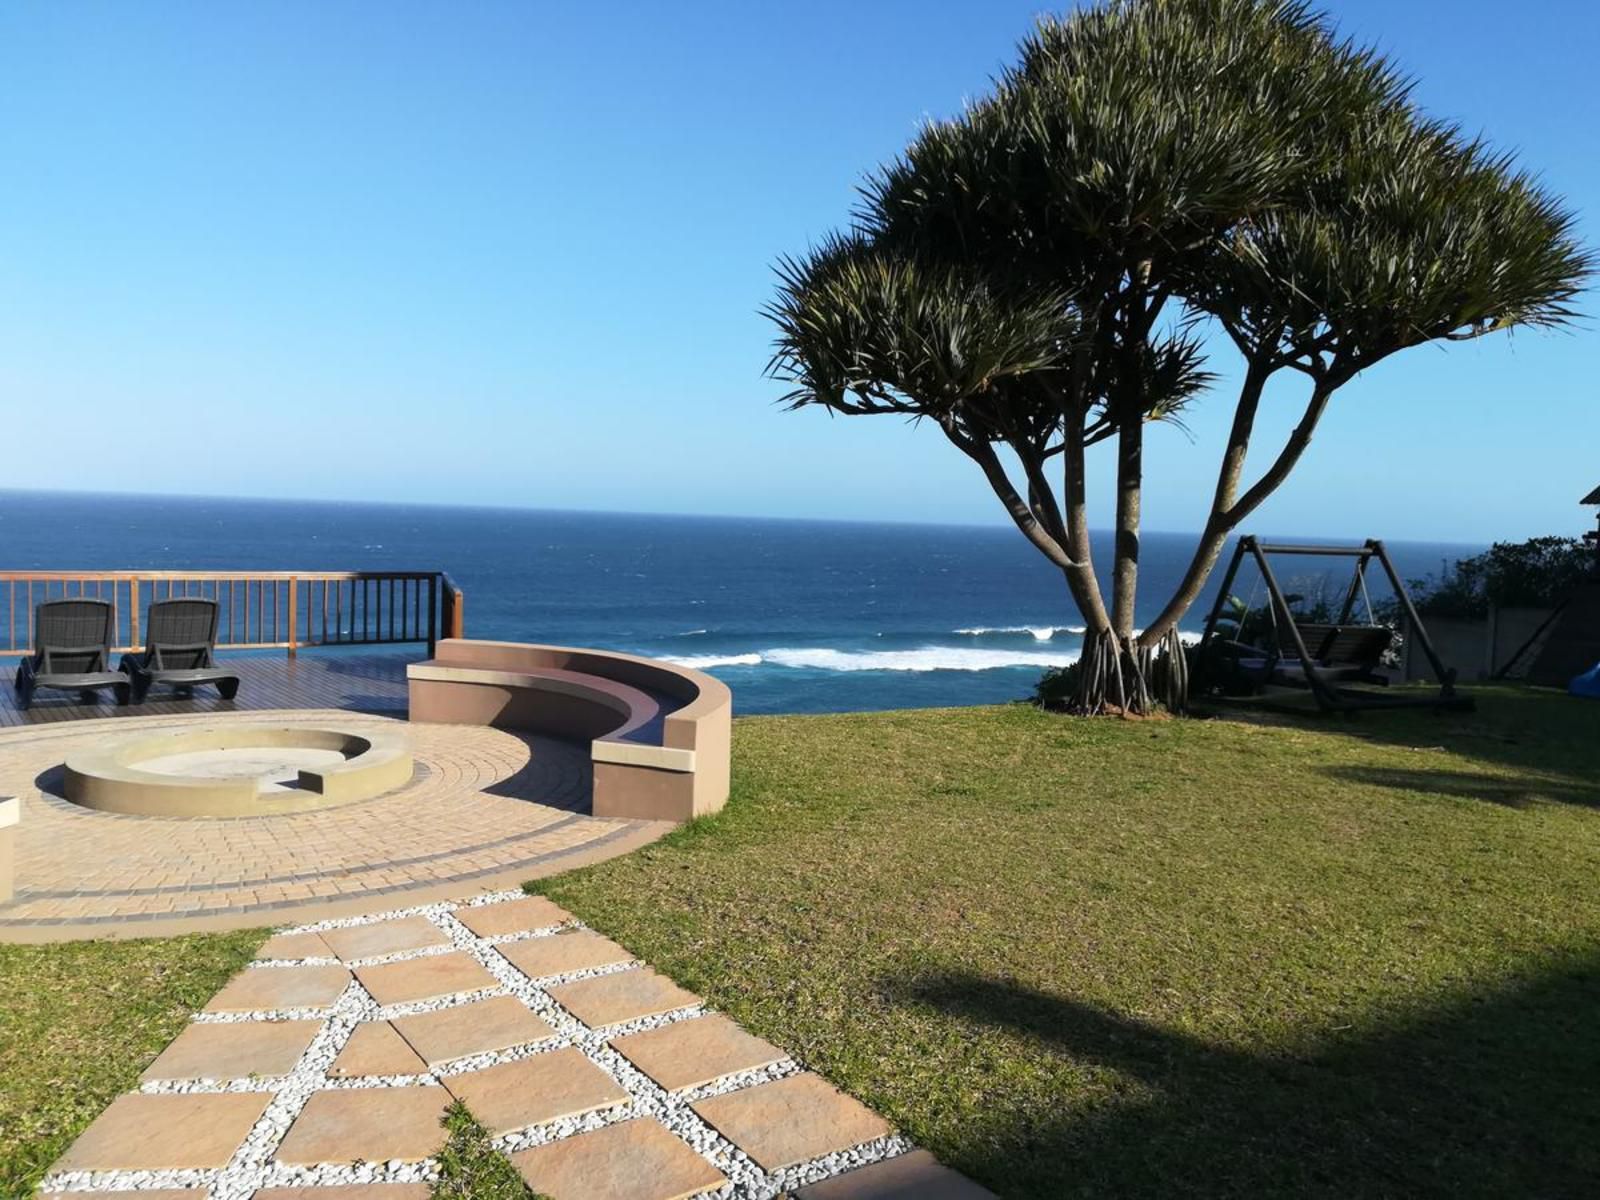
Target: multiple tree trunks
[{"x": 1121, "y": 676}]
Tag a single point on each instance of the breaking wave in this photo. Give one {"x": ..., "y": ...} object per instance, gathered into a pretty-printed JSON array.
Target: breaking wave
[
  {"x": 701, "y": 662},
  {"x": 1041, "y": 633},
  {"x": 928, "y": 658}
]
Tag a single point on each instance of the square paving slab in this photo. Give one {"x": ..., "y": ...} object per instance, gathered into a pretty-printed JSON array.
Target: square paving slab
[
  {"x": 156, "y": 1133},
  {"x": 260, "y": 989},
  {"x": 531, "y": 1091},
  {"x": 367, "y": 1124},
  {"x": 701, "y": 1050},
  {"x": 631, "y": 1160},
  {"x": 498, "y": 1023},
  {"x": 512, "y": 916},
  {"x": 376, "y": 1048},
  {"x": 623, "y": 996},
  {"x": 234, "y": 1050},
  {"x": 384, "y": 937},
  {"x": 787, "y": 1122},
  {"x": 559, "y": 953},
  {"x": 427, "y": 978},
  {"x": 294, "y": 945},
  {"x": 917, "y": 1175}
]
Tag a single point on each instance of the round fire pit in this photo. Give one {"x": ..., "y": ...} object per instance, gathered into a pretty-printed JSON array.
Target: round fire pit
[{"x": 236, "y": 770}]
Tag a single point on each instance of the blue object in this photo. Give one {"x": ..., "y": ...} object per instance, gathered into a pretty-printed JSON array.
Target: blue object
[{"x": 1587, "y": 684}]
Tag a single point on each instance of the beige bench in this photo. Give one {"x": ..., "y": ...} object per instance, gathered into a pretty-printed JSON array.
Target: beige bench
[{"x": 659, "y": 734}]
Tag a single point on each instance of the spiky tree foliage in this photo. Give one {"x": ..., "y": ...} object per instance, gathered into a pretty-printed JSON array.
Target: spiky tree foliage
[{"x": 1033, "y": 275}]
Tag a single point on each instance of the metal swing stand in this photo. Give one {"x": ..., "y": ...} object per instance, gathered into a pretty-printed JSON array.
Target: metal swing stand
[{"x": 1319, "y": 677}]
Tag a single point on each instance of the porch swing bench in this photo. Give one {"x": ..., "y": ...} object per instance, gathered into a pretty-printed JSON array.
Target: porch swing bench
[{"x": 1318, "y": 657}]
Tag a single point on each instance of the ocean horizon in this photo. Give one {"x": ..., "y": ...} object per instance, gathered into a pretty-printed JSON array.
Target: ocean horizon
[{"x": 794, "y": 614}]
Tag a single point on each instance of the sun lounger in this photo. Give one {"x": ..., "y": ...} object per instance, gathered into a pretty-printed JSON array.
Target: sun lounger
[
  {"x": 71, "y": 652},
  {"x": 179, "y": 650}
]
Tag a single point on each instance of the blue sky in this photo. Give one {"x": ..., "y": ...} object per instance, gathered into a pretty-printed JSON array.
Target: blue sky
[{"x": 513, "y": 254}]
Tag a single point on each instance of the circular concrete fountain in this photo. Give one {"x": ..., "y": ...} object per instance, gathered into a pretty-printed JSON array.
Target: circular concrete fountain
[{"x": 236, "y": 770}]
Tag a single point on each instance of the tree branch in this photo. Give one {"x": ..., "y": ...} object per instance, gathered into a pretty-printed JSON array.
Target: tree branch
[{"x": 982, "y": 453}]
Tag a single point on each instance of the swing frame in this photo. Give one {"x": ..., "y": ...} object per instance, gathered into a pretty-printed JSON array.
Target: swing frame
[{"x": 1328, "y": 695}]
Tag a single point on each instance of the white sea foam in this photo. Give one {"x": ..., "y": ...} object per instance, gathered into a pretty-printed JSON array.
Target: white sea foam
[
  {"x": 1041, "y": 633},
  {"x": 702, "y": 661},
  {"x": 924, "y": 658},
  {"x": 927, "y": 658}
]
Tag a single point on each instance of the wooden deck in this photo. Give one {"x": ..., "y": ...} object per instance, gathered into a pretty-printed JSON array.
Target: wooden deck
[{"x": 365, "y": 682}]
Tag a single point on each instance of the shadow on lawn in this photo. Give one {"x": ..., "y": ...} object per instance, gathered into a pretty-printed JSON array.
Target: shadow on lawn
[
  {"x": 1518, "y": 727},
  {"x": 1489, "y": 1096},
  {"x": 1506, "y": 790}
]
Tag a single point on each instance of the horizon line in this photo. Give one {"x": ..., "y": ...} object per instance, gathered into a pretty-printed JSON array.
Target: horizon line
[{"x": 600, "y": 512}]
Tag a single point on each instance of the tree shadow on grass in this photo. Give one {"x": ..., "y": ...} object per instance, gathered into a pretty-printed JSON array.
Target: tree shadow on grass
[
  {"x": 1538, "y": 729},
  {"x": 1505, "y": 790},
  {"x": 1489, "y": 1095}
]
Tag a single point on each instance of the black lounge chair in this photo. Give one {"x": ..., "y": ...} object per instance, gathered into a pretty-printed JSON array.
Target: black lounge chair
[
  {"x": 72, "y": 652},
  {"x": 180, "y": 642}
]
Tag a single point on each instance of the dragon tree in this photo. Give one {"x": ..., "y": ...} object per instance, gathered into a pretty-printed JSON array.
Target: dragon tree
[{"x": 1152, "y": 184}]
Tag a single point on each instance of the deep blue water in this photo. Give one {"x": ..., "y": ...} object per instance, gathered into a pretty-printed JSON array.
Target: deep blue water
[{"x": 796, "y": 616}]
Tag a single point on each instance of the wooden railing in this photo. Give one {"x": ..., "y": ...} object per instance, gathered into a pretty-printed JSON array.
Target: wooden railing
[{"x": 284, "y": 610}]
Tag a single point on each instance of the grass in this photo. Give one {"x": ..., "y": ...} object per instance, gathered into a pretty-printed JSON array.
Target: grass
[
  {"x": 470, "y": 1168},
  {"x": 80, "y": 1020},
  {"x": 1200, "y": 957}
]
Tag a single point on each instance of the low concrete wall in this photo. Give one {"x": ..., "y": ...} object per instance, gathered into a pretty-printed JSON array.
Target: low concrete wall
[
  {"x": 1476, "y": 649},
  {"x": 608, "y": 699},
  {"x": 10, "y": 814}
]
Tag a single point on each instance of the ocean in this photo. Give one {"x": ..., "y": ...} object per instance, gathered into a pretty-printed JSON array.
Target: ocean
[{"x": 796, "y": 616}]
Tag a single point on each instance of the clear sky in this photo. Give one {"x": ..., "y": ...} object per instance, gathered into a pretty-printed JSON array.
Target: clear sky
[{"x": 513, "y": 254}]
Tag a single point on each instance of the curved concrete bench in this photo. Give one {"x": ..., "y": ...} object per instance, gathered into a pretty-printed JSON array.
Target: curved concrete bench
[{"x": 659, "y": 734}]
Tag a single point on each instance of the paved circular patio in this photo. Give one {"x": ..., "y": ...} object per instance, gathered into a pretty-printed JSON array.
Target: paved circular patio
[{"x": 485, "y": 809}]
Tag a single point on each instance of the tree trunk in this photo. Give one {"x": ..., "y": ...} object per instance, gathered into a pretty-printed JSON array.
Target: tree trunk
[
  {"x": 1119, "y": 676},
  {"x": 1125, "y": 569}
]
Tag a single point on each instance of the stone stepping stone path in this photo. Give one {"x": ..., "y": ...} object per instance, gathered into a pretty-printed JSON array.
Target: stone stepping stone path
[{"x": 322, "y": 1071}]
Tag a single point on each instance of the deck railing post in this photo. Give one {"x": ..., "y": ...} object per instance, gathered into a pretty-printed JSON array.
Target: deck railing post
[
  {"x": 133, "y": 612},
  {"x": 433, "y": 614},
  {"x": 458, "y": 616},
  {"x": 294, "y": 613}
]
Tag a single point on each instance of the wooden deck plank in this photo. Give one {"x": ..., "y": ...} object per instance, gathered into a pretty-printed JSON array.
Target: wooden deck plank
[{"x": 373, "y": 683}]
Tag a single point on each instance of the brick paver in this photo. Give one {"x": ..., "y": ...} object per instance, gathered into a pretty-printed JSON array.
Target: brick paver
[
  {"x": 578, "y": 950},
  {"x": 376, "y": 1048},
  {"x": 914, "y": 1176},
  {"x": 271, "y": 988},
  {"x": 367, "y": 1125},
  {"x": 289, "y": 946},
  {"x": 512, "y": 916},
  {"x": 384, "y": 937},
  {"x": 673, "y": 1102},
  {"x": 638, "y": 1160},
  {"x": 151, "y": 1133},
  {"x": 623, "y": 996},
  {"x": 533, "y": 1091},
  {"x": 783, "y": 1123},
  {"x": 687, "y": 1054},
  {"x": 487, "y": 807},
  {"x": 476, "y": 1028},
  {"x": 234, "y": 1050},
  {"x": 424, "y": 978}
]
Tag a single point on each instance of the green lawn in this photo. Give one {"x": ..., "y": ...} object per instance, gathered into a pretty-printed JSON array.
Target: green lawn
[
  {"x": 1349, "y": 958},
  {"x": 79, "y": 1021},
  {"x": 1201, "y": 957}
]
